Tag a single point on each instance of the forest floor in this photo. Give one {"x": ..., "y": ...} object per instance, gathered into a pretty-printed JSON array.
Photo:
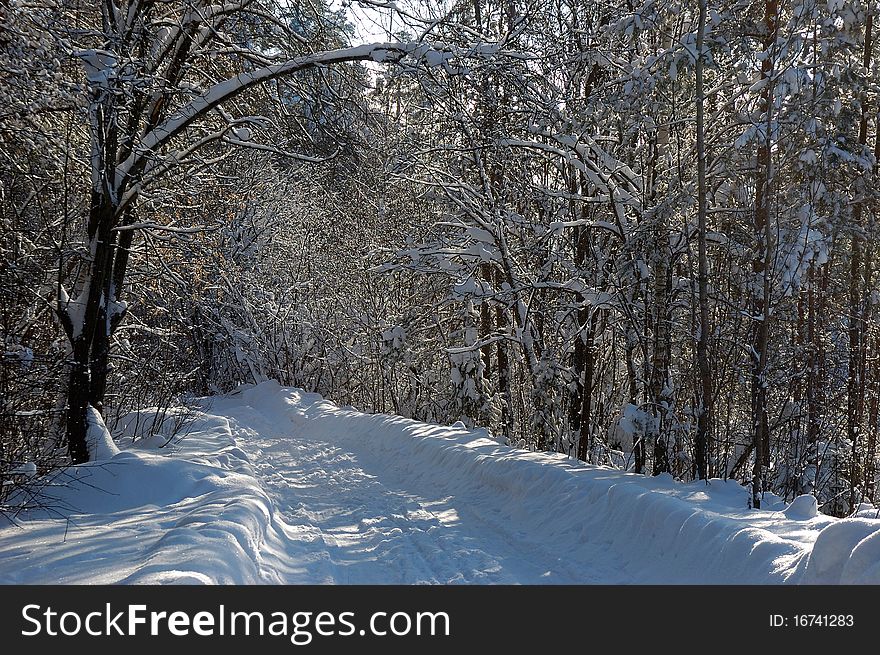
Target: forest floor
[{"x": 274, "y": 485}]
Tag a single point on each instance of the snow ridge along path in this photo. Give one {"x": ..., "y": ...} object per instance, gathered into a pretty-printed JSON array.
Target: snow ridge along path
[{"x": 275, "y": 485}]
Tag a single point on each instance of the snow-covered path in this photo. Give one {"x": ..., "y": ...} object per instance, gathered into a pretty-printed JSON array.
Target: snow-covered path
[
  {"x": 278, "y": 486},
  {"x": 351, "y": 519}
]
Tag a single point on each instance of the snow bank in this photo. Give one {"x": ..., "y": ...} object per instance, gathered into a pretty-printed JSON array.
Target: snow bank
[
  {"x": 658, "y": 530},
  {"x": 199, "y": 516},
  {"x": 847, "y": 552}
]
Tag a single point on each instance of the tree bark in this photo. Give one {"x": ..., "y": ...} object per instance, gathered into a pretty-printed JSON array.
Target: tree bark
[
  {"x": 486, "y": 324},
  {"x": 761, "y": 265},
  {"x": 660, "y": 352},
  {"x": 586, "y": 406},
  {"x": 812, "y": 368},
  {"x": 85, "y": 378},
  {"x": 873, "y": 374},
  {"x": 503, "y": 365},
  {"x": 704, "y": 404},
  {"x": 859, "y": 275}
]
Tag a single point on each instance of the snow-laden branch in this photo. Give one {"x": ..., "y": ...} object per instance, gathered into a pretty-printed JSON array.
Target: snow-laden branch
[
  {"x": 589, "y": 149},
  {"x": 230, "y": 88},
  {"x": 586, "y": 166},
  {"x": 149, "y": 225},
  {"x": 287, "y": 154},
  {"x": 607, "y": 174}
]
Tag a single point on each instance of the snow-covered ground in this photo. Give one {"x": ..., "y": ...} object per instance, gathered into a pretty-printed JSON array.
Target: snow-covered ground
[{"x": 274, "y": 485}]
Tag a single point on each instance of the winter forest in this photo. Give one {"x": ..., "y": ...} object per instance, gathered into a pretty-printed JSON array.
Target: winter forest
[{"x": 642, "y": 234}]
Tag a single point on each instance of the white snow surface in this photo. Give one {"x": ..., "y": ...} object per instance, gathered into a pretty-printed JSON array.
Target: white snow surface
[{"x": 275, "y": 485}]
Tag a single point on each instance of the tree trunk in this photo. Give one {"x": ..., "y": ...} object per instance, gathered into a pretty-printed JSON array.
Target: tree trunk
[
  {"x": 486, "y": 323},
  {"x": 657, "y": 316},
  {"x": 582, "y": 361},
  {"x": 660, "y": 353},
  {"x": 85, "y": 378},
  {"x": 578, "y": 363},
  {"x": 761, "y": 266},
  {"x": 704, "y": 404},
  {"x": 503, "y": 360},
  {"x": 812, "y": 368},
  {"x": 586, "y": 407},
  {"x": 858, "y": 275},
  {"x": 642, "y": 440},
  {"x": 873, "y": 374},
  {"x": 77, "y": 404}
]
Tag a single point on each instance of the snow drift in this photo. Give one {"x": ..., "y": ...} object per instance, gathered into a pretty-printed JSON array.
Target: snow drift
[{"x": 143, "y": 517}]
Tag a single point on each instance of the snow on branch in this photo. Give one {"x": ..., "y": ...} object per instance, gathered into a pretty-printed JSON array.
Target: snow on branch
[
  {"x": 163, "y": 228},
  {"x": 230, "y": 88}
]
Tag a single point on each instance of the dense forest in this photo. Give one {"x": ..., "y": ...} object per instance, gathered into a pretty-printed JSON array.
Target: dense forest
[{"x": 643, "y": 234}]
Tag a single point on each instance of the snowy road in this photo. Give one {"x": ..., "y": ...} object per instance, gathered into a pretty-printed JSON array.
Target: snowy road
[
  {"x": 351, "y": 518},
  {"x": 278, "y": 486}
]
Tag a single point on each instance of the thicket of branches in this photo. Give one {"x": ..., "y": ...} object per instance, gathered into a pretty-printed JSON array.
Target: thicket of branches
[{"x": 643, "y": 235}]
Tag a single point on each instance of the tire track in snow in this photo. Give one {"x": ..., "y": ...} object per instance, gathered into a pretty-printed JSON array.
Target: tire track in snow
[
  {"x": 367, "y": 533},
  {"x": 349, "y": 519}
]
